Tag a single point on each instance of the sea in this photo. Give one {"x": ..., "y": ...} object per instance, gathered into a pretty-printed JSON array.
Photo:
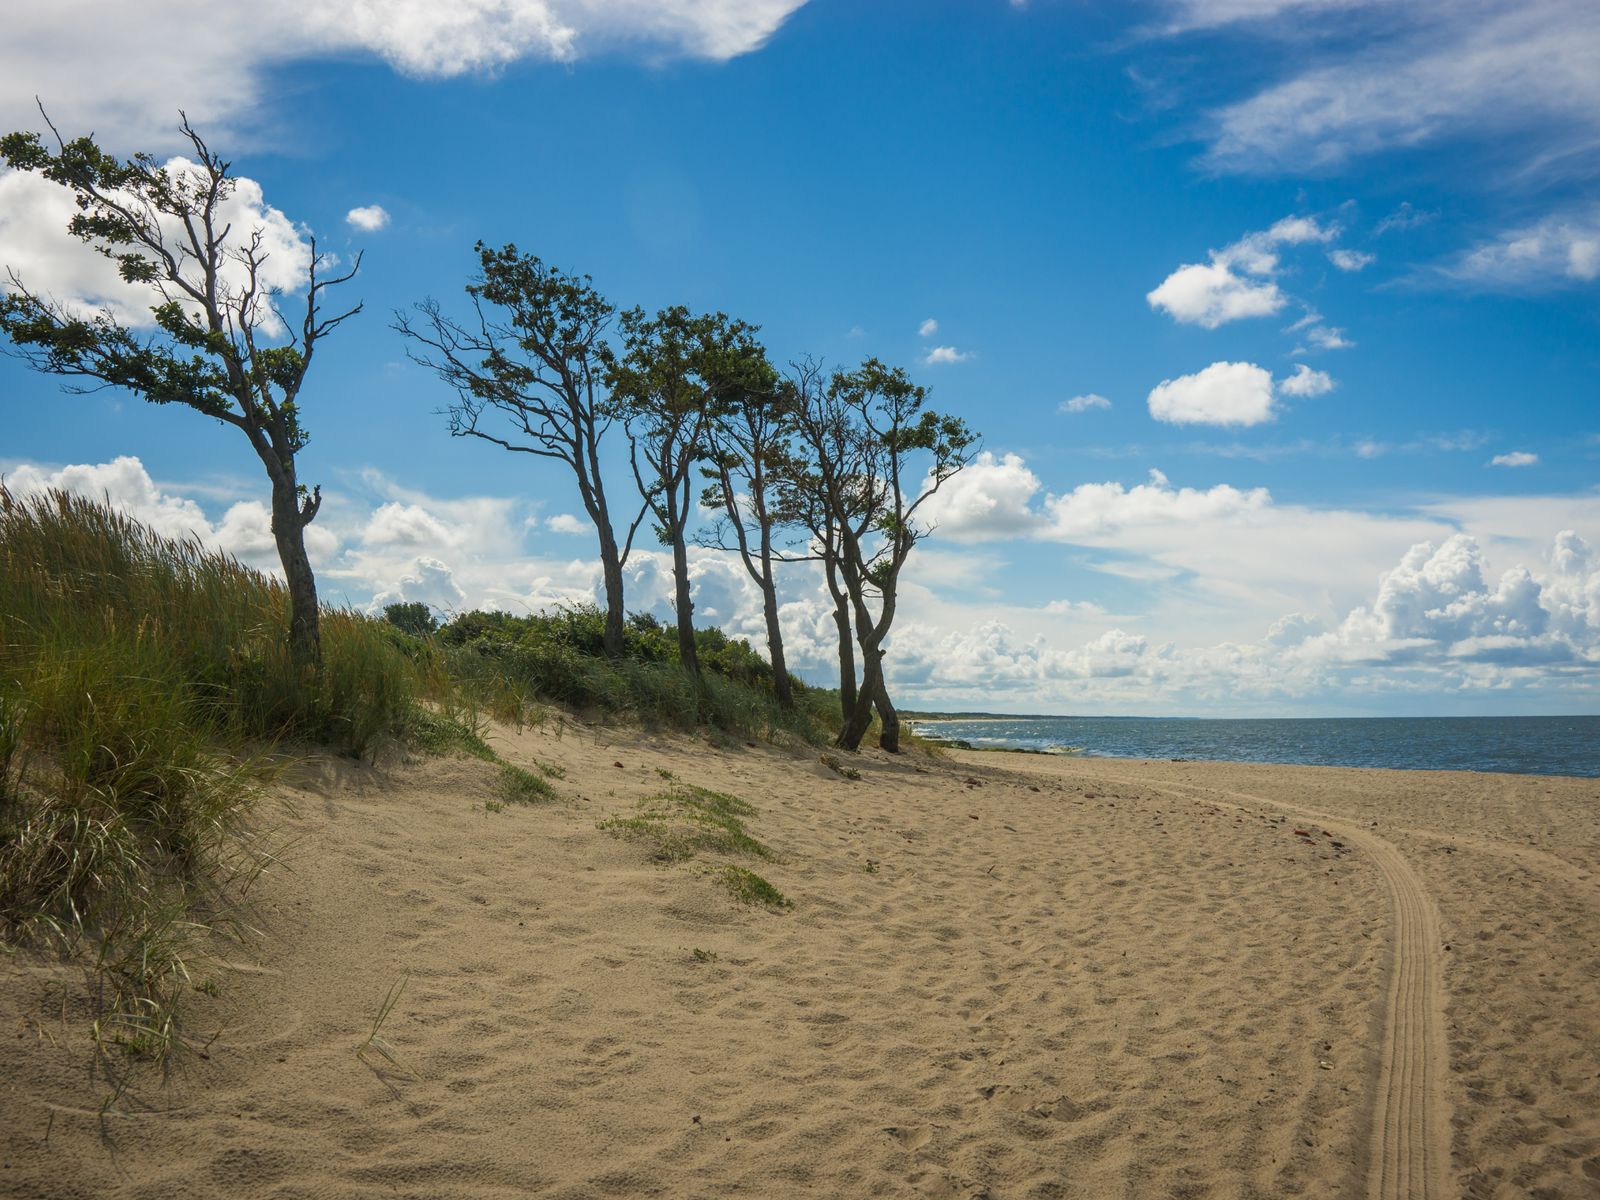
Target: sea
[{"x": 1519, "y": 745}]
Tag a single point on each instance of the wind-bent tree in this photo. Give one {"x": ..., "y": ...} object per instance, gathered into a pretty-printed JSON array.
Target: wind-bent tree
[
  {"x": 531, "y": 371},
  {"x": 799, "y": 504},
  {"x": 748, "y": 450},
  {"x": 674, "y": 371},
  {"x": 878, "y": 455},
  {"x": 221, "y": 346}
]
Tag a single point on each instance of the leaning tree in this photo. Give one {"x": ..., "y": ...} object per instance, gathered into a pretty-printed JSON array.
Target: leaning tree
[
  {"x": 748, "y": 453},
  {"x": 675, "y": 371},
  {"x": 221, "y": 344},
  {"x": 878, "y": 455},
  {"x": 531, "y": 374}
]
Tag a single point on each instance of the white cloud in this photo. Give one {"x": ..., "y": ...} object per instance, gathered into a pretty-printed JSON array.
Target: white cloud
[
  {"x": 146, "y": 61},
  {"x": 426, "y": 580},
  {"x": 369, "y": 218},
  {"x": 1211, "y": 294},
  {"x": 1084, "y": 403},
  {"x": 1225, "y": 393},
  {"x": 1554, "y": 250},
  {"x": 567, "y": 523},
  {"x": 396, "y": 524},
  {"x": 928, "y": 328},
  {"x": 945, "y": 354},
  {"x": 1351, "y": 260},
  {"x": 1516, "y": 458},
  {"x": 990, "y": 498},
  {"x": 1328, "y": 337},
  {"x": 1523, "y": 71},
  {"x": 1095, "y": 510},
  {"x": 1237, "y": 282},
  {"x": 1306, "y": 382},
  {"x": 48, "y": 260}
]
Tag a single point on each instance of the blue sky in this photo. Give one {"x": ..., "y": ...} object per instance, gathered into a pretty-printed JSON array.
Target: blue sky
[{"x": 1308, "y": 269}]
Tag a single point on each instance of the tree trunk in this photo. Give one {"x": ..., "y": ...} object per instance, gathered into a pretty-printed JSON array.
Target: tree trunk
[
  {"x": 847, "y": 659},
  {"x": 611, "y": 569},
  {"x": 687, "y": 653},
  {"x": 289, "y": 532},
  {"x": 859, "y": 719},
  {"x": 847, "y": 644},
  {"x": 780, "y": 670},
  {"x": 889, "y": 737}
]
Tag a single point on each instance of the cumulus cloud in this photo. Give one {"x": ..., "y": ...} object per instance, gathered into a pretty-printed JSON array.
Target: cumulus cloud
[
  {"x": 369, "y": 218},
  {"x": 146, "y": 61},
  {"x": 1435, "y": 626},
  {"x": 992, "y": 497},
  {"x": 945, "y": 354},
  {"x": 1225, "y": 393},
  {"x": 1212, "y": 294},
  {"x": 1099, "y": 509},
  {"x": 1084, "y": 403},
  {"x": 1306, "y": 382},
  {"x": 566, "y": 523},
  {"x": 396, "y": 524},
  {"x": 928, "y": 328},
  {"x": 36, "y": 247},
  {"x": 1516, "y": 458},
  {"x": 1351, "y": 260},
  {"x": 1238, "y": 281}
]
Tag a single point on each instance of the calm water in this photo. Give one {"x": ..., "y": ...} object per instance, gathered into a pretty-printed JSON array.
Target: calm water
[{"x": 1523, "y": 745}]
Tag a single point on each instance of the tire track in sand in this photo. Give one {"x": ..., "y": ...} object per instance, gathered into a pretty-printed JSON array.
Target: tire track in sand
[{"x": 1408, "y": 1149}]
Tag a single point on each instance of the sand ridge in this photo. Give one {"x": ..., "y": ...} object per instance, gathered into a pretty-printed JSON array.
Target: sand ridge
[{"x": 1003, "y": 976}]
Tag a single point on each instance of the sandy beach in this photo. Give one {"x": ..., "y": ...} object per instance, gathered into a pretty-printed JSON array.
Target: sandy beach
[{"x": 1001, "y": 976}]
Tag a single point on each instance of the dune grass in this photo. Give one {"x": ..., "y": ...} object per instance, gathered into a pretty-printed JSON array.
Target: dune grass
[
  {"x": 145, "y": 684},
  {"x": 686, "y": 821}
]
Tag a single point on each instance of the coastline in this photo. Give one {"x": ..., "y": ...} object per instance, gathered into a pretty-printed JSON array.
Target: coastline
[{"x": 1002, "y": 974}]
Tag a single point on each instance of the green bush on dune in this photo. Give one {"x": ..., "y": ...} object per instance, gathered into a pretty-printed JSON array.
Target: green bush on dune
[{"x": 508, "y": 662}]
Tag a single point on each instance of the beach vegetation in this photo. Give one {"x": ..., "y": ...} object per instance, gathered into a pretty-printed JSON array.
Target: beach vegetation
[
  {"x": 530, "y": 370},
  {"x": 749, "y": 888},
  {"x": 221, "y": 345}
]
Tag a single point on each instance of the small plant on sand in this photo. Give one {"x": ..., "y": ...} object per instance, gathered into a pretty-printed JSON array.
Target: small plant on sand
[
  {"x": 375, "y": 1042},
  {"x": 831, "y": 761},
  {"x": 686, "y": 820},
  {"x": 749, "y": 888},
  {"x": 519, "y": 786},
  {"x": 444, "y": 734},
  {"x": 704, "y": 956},
  {"x": 870, "y": 866}
]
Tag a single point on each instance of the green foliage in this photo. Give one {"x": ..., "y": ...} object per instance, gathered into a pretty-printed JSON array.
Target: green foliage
[
  {"x": 413, "y": 617},
  {"x": 749, "y": 888},
  {"x": 519, "y": 786},
  {"x": 509, "y": 663}
]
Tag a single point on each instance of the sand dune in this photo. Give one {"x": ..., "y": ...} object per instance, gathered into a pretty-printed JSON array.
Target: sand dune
[{"x": 1002, "y": 976}]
